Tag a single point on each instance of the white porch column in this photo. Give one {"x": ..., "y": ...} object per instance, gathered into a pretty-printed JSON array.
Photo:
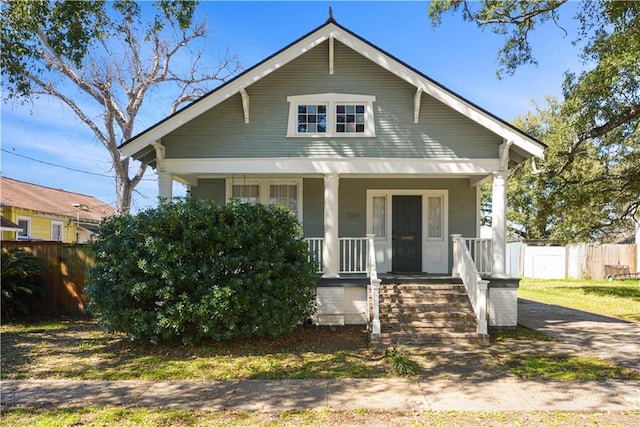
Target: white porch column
[
  {"x": 331, "y": 252},
  {"x": 499, "y": 222},
  {"x": 165, "y": 185}
]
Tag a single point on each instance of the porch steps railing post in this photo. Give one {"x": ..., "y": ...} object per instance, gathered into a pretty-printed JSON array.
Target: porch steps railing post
[{"x": 375, "y": 285}]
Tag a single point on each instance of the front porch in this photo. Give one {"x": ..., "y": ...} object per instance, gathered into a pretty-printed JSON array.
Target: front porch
[{"x": 418, "y": 308}]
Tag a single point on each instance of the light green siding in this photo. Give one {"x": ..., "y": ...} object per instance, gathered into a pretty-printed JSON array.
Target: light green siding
[
  {"x": 211, "y": 189},
  {"x": 313, "y": 207},
  {"x": 222, "y": 133}
]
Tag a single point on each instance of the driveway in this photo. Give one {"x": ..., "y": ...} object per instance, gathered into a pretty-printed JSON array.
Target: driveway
[{"x": 604, "y": 337}]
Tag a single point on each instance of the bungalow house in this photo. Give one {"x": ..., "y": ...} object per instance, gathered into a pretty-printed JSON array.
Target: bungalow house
[
  {"x": 43, "y": 213},
  {"x": 381, "y": 164}
]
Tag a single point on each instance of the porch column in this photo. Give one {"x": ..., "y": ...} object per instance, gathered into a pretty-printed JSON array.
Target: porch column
[
  {"x": 331, "y": 252},
  {"x": 165, "y": 185},
  {"x": 499, "y": 222}
]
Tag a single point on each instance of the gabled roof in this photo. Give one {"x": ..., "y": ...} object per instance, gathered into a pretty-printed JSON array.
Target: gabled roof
[
  {"x": 6, "y": 225},
  {"x": 53, "y": 201},
  {"x": 528, "y": 146}
]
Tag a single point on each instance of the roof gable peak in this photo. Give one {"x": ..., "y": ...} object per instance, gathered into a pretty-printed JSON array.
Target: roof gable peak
[{"x": 331, "y": 30}]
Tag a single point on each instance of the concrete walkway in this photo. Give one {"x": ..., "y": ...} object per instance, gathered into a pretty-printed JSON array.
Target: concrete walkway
[
  {"x": 603, "y": 337},
  {"x": 399, "y": 395}
]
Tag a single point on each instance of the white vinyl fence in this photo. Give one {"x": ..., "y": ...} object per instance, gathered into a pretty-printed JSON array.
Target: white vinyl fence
[{"x": 579, "y": 261}]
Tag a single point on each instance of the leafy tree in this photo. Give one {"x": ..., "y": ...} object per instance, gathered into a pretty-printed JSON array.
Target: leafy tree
[
  {"x": 109, "y": 56},
  {"x": 22, "y": 285},
  {"x": 193, "y": 269},
  {"x": 596, "y": 167},
  {"x": 566, "y": 207}
]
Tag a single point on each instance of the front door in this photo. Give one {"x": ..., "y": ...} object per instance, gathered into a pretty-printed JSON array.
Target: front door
[{"x": 406, "y": 234}]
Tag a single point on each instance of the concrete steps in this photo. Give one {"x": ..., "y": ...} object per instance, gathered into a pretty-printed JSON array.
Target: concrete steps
[{"x": 426, "y": 314}]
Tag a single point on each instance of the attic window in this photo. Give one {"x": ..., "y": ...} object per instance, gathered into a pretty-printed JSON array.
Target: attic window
[
  {"x": 312, "y": 118},
  {"x": 331, "y": 115}
]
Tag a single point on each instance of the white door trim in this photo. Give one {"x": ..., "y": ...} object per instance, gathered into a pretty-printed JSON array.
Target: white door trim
[{"x": 383, "y": 244}]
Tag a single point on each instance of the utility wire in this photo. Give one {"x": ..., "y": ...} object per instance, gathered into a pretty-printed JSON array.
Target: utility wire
[{"x": 65, "y": 167}]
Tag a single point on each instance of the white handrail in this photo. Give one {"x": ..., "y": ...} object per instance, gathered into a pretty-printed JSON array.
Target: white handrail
[
  {"x": 465, "y": 268},
  {"x": 481, "y": 250},
  {"x": 375, "y": 285}
]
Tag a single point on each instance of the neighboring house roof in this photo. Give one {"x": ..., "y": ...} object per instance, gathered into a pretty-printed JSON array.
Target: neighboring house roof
[
  {"x": 525, "y": 145},
  {"x": 53, "y": 201},
  {"x": 7, "y": 225}
]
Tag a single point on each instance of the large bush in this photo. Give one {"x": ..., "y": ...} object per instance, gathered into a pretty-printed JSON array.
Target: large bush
[
  {"x": 23, "y": 285},
  {"x": 193, "y": 269}
]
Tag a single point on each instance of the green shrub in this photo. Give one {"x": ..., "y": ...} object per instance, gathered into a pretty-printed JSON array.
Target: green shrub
[
  {"x": 23, "y": 285},
  {"x": 193, "y": 269}
]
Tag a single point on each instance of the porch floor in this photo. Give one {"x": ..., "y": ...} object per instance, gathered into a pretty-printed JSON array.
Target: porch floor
[
  {"x": 355, "y": 279},
  {"x": 361, "y": 279}
]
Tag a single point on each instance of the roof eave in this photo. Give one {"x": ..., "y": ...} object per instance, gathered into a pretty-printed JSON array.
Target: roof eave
[{"x": 332, "y": 29}]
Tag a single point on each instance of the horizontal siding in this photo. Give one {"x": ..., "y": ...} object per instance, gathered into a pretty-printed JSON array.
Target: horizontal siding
[
  {"x": 210, "y": 189},
  {"x": 441, "y": 133},
  {"x": 313, "y": 207}
]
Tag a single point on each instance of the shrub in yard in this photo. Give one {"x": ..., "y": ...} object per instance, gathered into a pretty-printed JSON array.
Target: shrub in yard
[
  {"x": 193, "y": 269},
  {"x": 22, "y": 285}
]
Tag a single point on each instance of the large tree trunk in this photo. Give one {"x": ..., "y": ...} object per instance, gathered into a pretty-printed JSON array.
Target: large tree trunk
[{"x": 124, "y": 184}]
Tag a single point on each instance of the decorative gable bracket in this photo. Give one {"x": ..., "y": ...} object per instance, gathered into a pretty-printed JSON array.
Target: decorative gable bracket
[
  {"x": 417, "y": 98},
  {"x": 245, "y": 104},
  {"x": 331, "y": 38}
]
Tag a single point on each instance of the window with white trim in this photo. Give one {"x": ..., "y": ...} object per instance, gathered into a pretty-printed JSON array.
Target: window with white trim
[
  {"x": 25, "y": 224},
  {"x": 268, "y": 191},
  {"x": 56, "y": 231},
  {"x": 434, "y": 217},
  {"x": 247, "y": 193},
  {"x": 312, "y": 119},
  {"x": 350, "y": 118},
  {"x": 380, "y": 216},
  {"x": 331, "y": 115}
]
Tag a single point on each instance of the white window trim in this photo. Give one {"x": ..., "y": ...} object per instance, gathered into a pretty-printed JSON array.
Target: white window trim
[
  {"x": 61, "y": 224},
  {"x": 28, "y": 220},
  {"x": 331, "y": 100},
  {"x": 264, "y": 184}
]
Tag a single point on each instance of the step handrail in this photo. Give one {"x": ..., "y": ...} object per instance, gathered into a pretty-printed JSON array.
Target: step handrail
[
  {"x": 465, "y": 268},
  {"x": 372, "y": 269}
]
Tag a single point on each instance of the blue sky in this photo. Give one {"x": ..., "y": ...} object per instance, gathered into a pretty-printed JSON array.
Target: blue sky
[{"x": 457, "y": 54}]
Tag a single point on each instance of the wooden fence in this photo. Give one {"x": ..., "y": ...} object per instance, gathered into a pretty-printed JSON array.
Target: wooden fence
[
  {"x": 590, "y": 261},
  {"x": 65, "y": 277}
]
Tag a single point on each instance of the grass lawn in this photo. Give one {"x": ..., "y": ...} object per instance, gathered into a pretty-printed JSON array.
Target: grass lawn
[
  {"x": 79, "y": 349},
  {"x": 620, "y": 299},
  {"x": 146, "y": 417}
]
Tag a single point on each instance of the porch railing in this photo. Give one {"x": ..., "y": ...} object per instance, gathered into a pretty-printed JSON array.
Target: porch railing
[
  {"x": 357, "y": 255},
  {"x": 465, "y": 268},
  {"x": 481, "y": 251},
  {"x": 316, "y": 246},
  {"x": 354, "y": 254}
]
